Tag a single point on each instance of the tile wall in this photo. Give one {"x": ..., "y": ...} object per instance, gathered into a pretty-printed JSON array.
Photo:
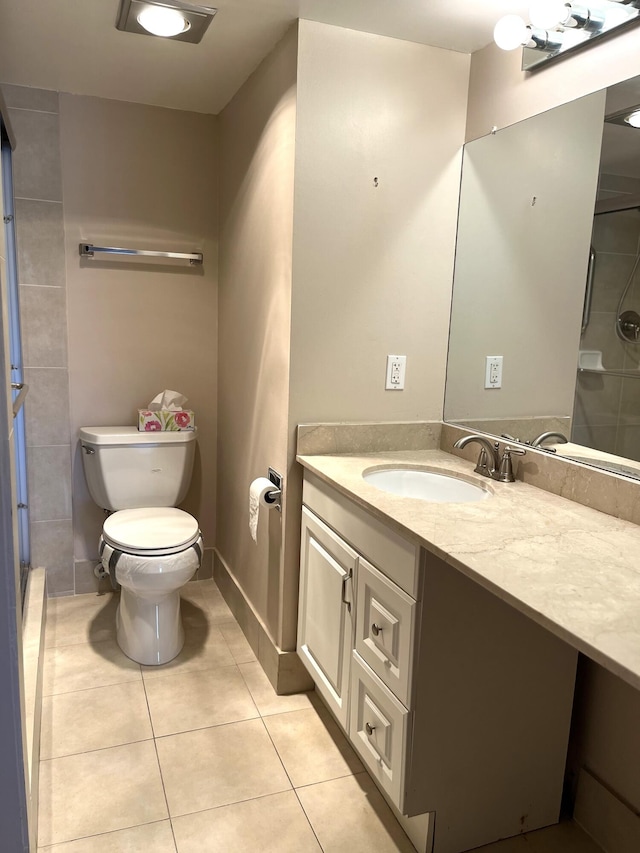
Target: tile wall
[
  {"x": 607, "y": 407},
  {"x": 41, "y": 275}
]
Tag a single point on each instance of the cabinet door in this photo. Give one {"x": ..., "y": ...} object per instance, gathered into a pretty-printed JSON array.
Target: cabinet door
[{"x": 325, "y": 615}]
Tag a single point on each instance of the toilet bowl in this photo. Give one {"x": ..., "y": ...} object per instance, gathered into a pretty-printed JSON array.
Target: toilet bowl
[
  {"x": 152, "y": 552},
  {"x": 147, "y": 545}
]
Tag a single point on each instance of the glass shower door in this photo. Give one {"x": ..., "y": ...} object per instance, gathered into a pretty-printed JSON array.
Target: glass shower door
[{"x": 18, "y": 386}]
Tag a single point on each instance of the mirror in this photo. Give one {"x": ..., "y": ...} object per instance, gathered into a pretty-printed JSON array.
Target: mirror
[{"x": 546, "y": 206}]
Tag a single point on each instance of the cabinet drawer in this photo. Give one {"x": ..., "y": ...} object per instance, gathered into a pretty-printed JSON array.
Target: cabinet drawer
[
  {"x": 378, "y": 728},
  {"x": 385, "y": 629},
  {"x": 394, "y": 555}
]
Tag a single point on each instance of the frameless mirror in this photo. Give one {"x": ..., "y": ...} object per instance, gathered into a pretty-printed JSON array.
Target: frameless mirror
[{"x": 545, "y": 323}]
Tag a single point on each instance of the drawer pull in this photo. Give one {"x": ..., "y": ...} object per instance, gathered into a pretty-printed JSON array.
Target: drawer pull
[
  {"x": 369, "y": 729},
  {"x": 376, "y": 629},
  {"x": 345, "y": 580}
]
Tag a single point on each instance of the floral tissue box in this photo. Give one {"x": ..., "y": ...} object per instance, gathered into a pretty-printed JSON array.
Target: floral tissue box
[{"x": 165, "y": 419}]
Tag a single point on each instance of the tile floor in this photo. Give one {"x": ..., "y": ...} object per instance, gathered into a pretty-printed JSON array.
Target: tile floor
[{"x": 201, "y": 755}]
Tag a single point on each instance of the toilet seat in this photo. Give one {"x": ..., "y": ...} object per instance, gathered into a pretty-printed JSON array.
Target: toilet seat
[{"x": 151, "y": 531}]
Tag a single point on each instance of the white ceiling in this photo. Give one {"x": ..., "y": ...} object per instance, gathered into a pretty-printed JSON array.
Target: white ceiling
[{"x": 73, "y": 45}]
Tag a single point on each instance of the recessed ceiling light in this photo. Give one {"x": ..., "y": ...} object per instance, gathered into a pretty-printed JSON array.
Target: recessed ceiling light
[
  {"x": 175, "y": 20},
  {"x": 161, "y": 21}
]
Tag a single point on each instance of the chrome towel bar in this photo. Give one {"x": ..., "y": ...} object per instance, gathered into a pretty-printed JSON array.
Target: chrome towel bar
[{"x": 88, "y": 250}]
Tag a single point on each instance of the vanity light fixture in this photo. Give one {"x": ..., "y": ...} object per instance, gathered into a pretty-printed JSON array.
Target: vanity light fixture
[
  {"x": 176, "y": 20},
  {"x": 558, "y": 26},
  {"x": 629, "y": 117}
]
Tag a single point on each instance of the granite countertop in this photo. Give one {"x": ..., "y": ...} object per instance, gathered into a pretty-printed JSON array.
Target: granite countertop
[{"x": 572, "y": 569}]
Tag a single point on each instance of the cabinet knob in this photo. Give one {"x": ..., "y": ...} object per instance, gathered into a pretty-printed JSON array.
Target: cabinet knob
[
  {"x": 376, "y": 629},
  {"x": 369, "y": 728}
]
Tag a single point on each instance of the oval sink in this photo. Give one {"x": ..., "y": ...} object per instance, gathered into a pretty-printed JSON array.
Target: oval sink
[{"x": 425, "y": 485}]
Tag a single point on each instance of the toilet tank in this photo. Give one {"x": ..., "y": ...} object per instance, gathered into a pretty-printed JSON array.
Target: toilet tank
[{"x": 125, "y": 468}]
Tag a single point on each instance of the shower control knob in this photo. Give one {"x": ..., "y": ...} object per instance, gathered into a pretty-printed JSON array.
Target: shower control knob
[{"x": 628, "y": 326}]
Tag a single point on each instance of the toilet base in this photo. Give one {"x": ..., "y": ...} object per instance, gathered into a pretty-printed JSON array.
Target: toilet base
[{"x": 149, "y": 631}]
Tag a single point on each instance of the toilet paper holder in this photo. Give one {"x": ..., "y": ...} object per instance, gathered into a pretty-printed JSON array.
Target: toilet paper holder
[{"x": 275, "y": 497}]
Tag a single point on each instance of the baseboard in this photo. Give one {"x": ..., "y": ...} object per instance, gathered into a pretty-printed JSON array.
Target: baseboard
[
  {"x": 283, "y": 669},
  {"x": 33, "y": 630},
  {"x": 605, "y": 817}
]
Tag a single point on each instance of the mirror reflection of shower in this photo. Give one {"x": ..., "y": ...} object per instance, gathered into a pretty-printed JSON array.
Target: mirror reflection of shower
[{"x": 606, "y": 414}]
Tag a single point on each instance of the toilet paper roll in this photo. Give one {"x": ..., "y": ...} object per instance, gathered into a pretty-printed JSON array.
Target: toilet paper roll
[{"x": 258, "y": 491}]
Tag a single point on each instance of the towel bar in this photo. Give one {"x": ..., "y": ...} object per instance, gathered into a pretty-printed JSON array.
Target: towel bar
[{"x": 88, "y": 250}]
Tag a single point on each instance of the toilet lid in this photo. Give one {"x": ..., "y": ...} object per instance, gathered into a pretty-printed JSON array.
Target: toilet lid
[{"x": 160, "y": 530}]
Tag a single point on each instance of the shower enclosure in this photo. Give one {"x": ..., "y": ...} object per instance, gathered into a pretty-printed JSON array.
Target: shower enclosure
[
  {"x": 606, "y": 413},
  {"x": 18, "y": 387}
]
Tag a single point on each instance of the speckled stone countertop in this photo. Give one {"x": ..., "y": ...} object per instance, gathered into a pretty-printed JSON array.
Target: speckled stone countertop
[{"x": 572, "y": 569}]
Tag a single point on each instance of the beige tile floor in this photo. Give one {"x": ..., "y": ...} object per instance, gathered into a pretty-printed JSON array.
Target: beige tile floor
[{"x": 201, "y": 755}]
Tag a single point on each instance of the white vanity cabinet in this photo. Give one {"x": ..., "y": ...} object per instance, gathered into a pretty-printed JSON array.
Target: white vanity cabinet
[{"x": 458, "y": 705}]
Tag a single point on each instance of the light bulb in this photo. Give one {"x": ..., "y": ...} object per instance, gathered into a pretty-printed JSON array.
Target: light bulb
[
  {"x": 161, "y": 21},
  {"x": 547, "y": 14},
  {"x": 633, "y": 119},
  {"x": 511, "y": 32}
]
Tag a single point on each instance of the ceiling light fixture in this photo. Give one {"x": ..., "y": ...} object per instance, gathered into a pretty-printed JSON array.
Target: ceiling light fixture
[
  {"x": 174, "y": 20},
  {"x": 629, "y": 117},
  {"x": 558, "y": 26},
  {"x": 161, "y": 21}
]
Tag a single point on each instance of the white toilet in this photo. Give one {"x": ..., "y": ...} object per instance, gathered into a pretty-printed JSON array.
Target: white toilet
[{"x": 150, "y": 547}]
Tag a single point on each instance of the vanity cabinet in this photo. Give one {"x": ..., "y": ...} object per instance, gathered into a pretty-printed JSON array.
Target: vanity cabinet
[{"x": 458, "y": 705}]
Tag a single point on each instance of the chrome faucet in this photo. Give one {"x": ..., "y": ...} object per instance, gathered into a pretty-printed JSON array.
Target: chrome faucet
[
  {"x": 489, "y": 463},
  {"x": 538, "y": 440},
  {"x": 488, "y": 459}
]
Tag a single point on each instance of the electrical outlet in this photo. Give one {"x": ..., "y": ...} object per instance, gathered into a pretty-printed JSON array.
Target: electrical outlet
[
  {"x": 493, "y": 372},
  {"x": 396, "y": 366}
]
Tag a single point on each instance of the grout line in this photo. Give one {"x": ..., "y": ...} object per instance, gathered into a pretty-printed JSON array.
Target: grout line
[
  {"x": 204, "y": 728},
  {"x": 278, "y": 754},
  {"x": 29, "y": 198},
  {"x": 57, "y": 844},
  {"x": 155, "y": 747},
  {"x": 49, "y": 286},
  {"x": 45, "y": 112},
  {"x": 97, "y": 749},
  {"x": 67, "y": 692},
  {"x": 315, "y": 834}
]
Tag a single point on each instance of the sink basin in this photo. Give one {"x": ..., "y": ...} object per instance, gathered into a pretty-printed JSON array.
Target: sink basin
[{"x": 425, "y": 485}]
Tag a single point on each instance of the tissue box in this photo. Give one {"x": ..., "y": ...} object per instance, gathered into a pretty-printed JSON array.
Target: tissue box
[{"x": 165, "y": 420}]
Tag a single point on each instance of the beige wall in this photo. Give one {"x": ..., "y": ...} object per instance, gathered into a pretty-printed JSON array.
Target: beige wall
[
  {"x": 257, "y": 133},
  {"x": 500, "y": 93},
  {"x": 372, "y": 265},
  {"x": 140, "y": 177}
]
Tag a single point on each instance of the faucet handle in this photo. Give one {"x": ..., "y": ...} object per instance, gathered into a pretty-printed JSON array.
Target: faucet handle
[
  {"x": 505, "y": 473},
  {"x": 518, "y": 451}
]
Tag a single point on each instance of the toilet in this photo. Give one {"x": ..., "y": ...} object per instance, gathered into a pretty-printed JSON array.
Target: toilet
[{"x": 148, "y": 546}]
